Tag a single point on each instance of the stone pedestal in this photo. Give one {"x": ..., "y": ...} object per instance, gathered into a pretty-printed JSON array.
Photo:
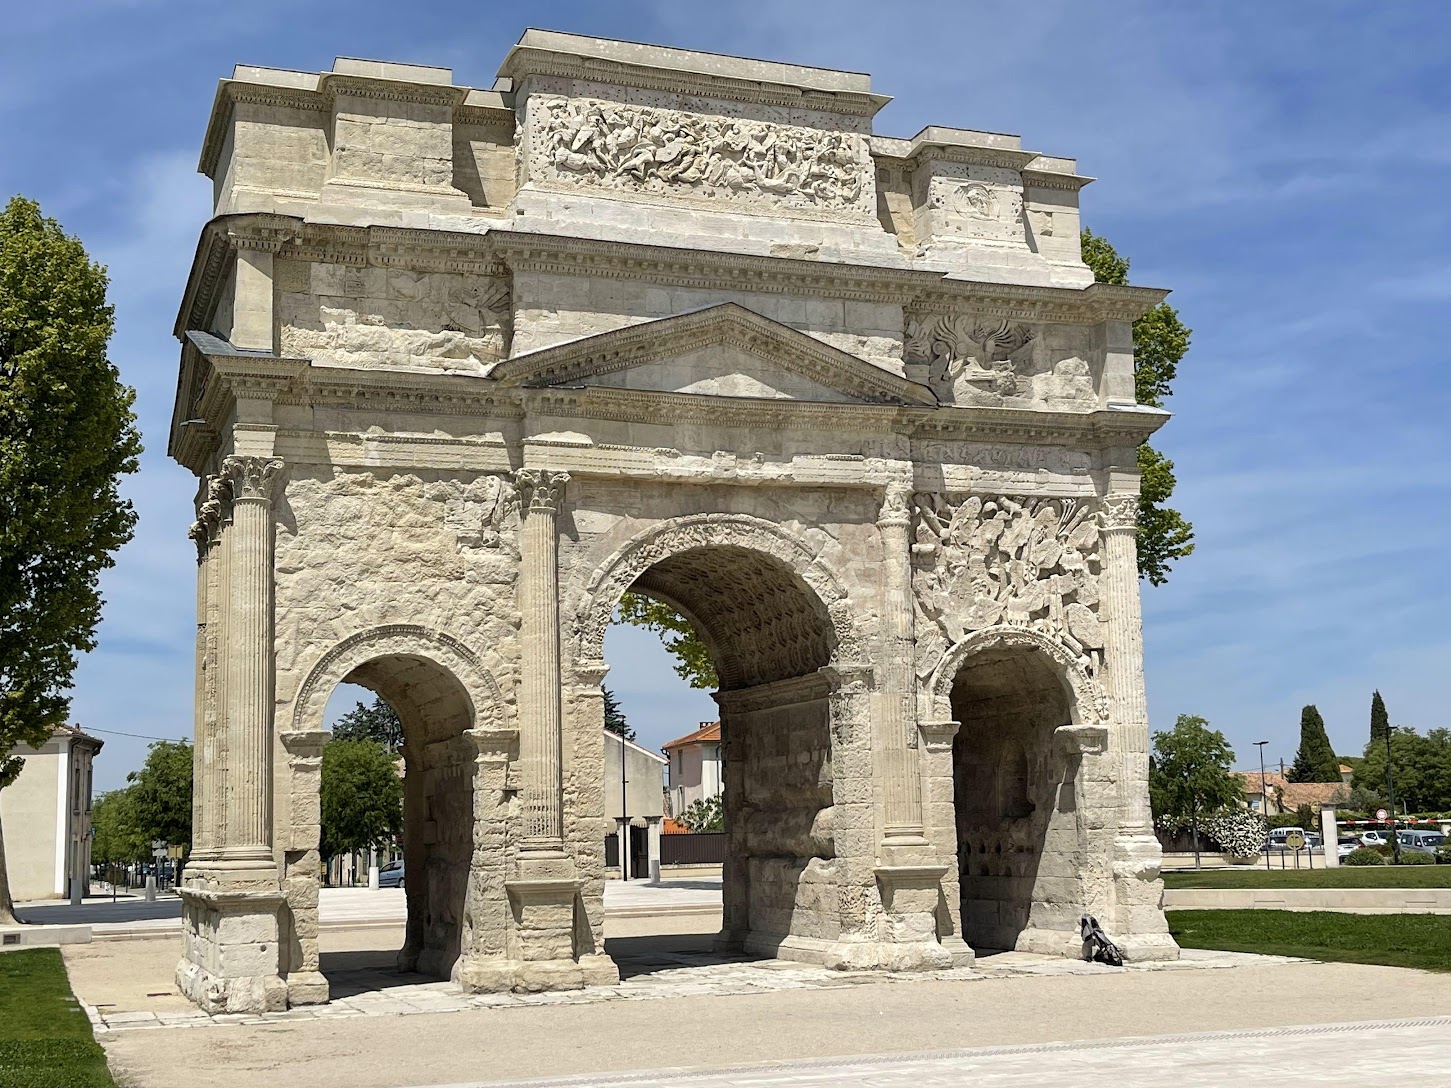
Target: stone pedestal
[{"x": 232, "y": 942}]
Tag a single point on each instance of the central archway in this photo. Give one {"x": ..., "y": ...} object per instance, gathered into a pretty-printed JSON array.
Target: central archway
[{"x": 774, "y": 619}]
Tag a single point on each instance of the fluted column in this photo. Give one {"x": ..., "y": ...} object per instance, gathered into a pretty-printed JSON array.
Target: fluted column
[
  {"x": 898, "y": 736},
  {"x": 1124, "y": 653},
  {"x": 248, "y": 663},
  {"x": 199, "y": 535},
  {"x": 541, "y": 493}
]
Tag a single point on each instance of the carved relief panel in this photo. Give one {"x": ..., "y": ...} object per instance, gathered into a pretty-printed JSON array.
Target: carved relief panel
[
  {"x": 978, "y": 360},
  {"x": 369, "y": 317},
  {"x": 984, "y": 561},
  {"x": 638, "y": 149},
  {"x": 969, "y": 203}
]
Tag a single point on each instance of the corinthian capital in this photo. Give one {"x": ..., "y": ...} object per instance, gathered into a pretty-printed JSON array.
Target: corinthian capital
[
  {"x": 544, "y": 489},
  {"x": 252, "y": 477},
  {"x": 1119, "y": 512}
]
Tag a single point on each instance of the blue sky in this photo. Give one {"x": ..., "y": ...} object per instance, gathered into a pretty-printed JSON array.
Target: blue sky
[{"x": 1281, "y": 166}]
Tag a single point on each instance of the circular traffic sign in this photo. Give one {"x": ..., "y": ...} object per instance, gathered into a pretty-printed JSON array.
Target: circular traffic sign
[
  {"x": 1381, "y": 814},
  {"x": 1295, "y": 840}
]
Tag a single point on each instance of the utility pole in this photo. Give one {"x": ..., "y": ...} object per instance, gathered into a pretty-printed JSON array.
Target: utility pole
[
  {"x": 1264, "y": 799},
  {"x": 1391, "y": 797}
]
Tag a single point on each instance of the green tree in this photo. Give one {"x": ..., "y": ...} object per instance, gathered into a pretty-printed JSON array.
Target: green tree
[
  {"x": 1420, "y": 767},
  {"x": 693, "y": 663},
  {"x": 1161, "y": 341},
  {"x": 361, "y": 795},
  {"x": 67, "y": 435},
  {"x": 1189, "y": 775},
  {"x": 1380, "y": 722},
  {"x": 615, "y": 717},
  {"x": 378, "y": 722},
  {"x": 1314, "y": 760},
  {"x": 117, "y": 840},
  {"x": 707, "y": 814},
  {"x": 160, "y": 794}
]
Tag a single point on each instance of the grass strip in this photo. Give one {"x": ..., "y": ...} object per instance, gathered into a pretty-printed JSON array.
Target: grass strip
[
  {"x": 1347, "y": 876},
  {"x": 45, "y": 1037},
  {"x": 1396, "y": 940}
]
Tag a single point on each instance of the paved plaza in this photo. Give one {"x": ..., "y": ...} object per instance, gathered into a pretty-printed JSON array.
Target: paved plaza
[{"x": 1406, "y": 1052}]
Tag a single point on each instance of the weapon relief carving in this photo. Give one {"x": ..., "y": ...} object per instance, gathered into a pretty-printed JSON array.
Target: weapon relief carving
[
  {"x": 985, "y": 561},
  {"x": 962, "y": 349},
  {"x": 486, "y": 515},
  {"x": 643, "y": 149}
]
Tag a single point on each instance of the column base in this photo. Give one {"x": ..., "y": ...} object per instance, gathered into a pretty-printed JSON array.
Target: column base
[
  {"x": 910, "y": 889},
  {"x": 495, "y": 974},
  {"x": 1140, "y": 928},
  {"x": 307, "y": 988},
  {"x": 231, "y": 951}
]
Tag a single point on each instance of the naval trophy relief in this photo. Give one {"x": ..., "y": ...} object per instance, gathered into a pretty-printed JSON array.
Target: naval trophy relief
[
  {"x": 1001, "y": 561},
  {"x": 968, "y": 355},
  {"x": 647, "y": 150}
]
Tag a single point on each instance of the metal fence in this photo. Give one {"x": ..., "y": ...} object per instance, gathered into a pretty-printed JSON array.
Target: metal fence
[{"x": 695, "y": 849}]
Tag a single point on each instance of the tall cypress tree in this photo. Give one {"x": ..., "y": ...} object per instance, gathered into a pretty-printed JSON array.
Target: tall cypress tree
[
  {"x": 1380, "y": 722},
  {"x": 1315, "y": 761}
]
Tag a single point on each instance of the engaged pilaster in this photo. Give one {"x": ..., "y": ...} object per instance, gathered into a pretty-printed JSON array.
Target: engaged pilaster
[
  {"x": 541, "y": 493},
  {"x": 1124, "y": 652},
  {"x": 897, "y": 739},
  {"x": 247, "y": 839}
]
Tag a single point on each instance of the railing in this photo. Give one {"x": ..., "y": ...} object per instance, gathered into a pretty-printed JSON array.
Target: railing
[{"x": 708, "y": 848}]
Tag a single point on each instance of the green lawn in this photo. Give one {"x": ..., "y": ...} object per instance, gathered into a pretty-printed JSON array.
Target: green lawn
[
  {"x": 1347, "y": 876},
  {"x": 45, "y": 1038},
  {"x": 1396, "y": 940}
]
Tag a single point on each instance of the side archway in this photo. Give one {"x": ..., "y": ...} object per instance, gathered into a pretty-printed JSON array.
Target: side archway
[
  {"x": 1088, "y": 702},
  {"x": 443, "y": 694}
]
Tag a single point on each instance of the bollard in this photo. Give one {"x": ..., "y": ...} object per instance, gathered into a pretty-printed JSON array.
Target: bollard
[
  {"x": 151, "y": 887},
  {"x": 373, "y": 877}
]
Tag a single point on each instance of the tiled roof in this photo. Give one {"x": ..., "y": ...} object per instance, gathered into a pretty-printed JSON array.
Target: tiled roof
[
  {"x": 708, "y": 733},
  {"x": 1294, "y": 794}
]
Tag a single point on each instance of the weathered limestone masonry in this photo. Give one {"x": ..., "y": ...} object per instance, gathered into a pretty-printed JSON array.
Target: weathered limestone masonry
[{"x": 460, "y": 367}]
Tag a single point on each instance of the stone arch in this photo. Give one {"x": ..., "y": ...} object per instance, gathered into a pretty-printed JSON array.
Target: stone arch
[
  {"x": 1088, "y": 702},
  {"x": 631, "y": 561},
  {"x": 403, "y": 640}
]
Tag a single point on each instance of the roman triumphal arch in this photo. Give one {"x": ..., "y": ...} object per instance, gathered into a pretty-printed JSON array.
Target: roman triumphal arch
[{"x": 460, "y": 367}]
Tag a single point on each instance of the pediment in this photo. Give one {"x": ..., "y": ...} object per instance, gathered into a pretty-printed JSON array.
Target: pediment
[{"x": 723, "y": 351}]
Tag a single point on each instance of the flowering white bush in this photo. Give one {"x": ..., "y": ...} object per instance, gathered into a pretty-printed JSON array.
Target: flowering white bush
[{"x": 1239, "y": 832}]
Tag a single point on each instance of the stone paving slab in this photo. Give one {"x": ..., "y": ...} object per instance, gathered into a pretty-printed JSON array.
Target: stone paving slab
[
  {"x": 1401, "y": 1052},
  {"x": 376, "y": 992}
]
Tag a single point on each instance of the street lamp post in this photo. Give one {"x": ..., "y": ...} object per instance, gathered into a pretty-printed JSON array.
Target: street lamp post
[
  {"x": 1391, "y": 798},
  {"x": 1264, "y": 804}
]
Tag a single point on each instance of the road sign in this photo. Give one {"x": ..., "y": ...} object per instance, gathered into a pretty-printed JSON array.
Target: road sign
[
  {"x": 1381, "y": 815},
  {"x": 1295, "y": 840},
  {"x": 158, "y": 848}
]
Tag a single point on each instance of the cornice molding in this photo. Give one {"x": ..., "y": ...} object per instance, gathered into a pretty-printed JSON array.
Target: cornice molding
[{"x": 525, "y": 62}]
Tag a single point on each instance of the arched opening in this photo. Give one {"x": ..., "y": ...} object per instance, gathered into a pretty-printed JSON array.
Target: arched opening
[
  {"x": 438, "y": 763},
  {"x": 769, "y": 636},
  {"x": 1013, "y": 791}
]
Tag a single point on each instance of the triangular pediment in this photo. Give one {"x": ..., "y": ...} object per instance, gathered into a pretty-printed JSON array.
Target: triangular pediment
[{"x": 723, "y": 351}]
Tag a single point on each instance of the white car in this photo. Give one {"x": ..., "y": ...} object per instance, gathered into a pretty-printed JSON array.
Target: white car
[{"x": 1375, "y": 838}]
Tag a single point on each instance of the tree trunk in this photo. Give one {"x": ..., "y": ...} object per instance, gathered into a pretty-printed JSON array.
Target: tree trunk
[
  {"x": 1194, "y": 832},
  {"x": 7, "y": 905}
]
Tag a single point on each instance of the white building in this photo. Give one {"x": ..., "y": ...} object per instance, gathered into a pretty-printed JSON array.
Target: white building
[
  {"x": 694, "y": 767},
  {"x": 634, "y": 805},
  {"x": 46, "y": 816}
]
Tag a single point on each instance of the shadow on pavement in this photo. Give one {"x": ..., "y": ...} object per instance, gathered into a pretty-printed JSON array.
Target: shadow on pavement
[
  {"x": 351, "y": 973},
  {"x": 636, "y": 956},
  {"x": 123, "y": 910}
]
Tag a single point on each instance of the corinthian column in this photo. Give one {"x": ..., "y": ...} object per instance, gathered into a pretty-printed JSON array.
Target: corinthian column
[
  {"x": 1124, "y": 652},
  {"x": 247, "y": 837},
  {"x": 539, "y": 703},
  {"x": 897, "y": 740}
]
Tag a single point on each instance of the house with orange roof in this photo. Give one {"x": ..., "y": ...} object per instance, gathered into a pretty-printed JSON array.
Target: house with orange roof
[{"x": 694, "y": 767}]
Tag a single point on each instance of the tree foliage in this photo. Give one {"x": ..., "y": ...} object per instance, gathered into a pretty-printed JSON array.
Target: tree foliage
[
  {"x": 1420, "y": 766},
  {"x": 1380, "y": 722},
  {"x": 160, "y": 793},
  {"x": 118, "y": 838},
  {"x": 615, "y": 717},
  {"x": 1189, "y": 775},
  {"x": 361, "y": 794},
  {"x": 706, "y": 814},
  {"x": 1315, "y": 759},
  {"x": 693, "y": 663},
  {"x": 1161, "y": 340},
  {"x": 378, "y": 722},
  {"x": 67, "y": 435}
]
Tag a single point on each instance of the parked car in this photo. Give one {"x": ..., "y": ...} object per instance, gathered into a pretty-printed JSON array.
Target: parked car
[
  {"x": 1276, "y": 838},
  {"x": 391, "y": 875},
  {"x": 1424, "y": 842},
  {"x": 1346, "y": 844},
  {"x": 1375, "y": 838}
]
